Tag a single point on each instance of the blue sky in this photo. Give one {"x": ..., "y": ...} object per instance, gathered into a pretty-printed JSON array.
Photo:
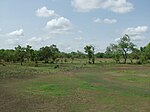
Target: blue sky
[{"x": 72, "y": 24}]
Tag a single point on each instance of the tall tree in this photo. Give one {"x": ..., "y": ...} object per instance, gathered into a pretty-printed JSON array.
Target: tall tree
[
  {"x": 126, "y": 45},
  {"x": 123, "y": 47}
]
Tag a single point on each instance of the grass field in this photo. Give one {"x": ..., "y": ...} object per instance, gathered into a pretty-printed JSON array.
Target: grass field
[{"x": 75, "y": 88}]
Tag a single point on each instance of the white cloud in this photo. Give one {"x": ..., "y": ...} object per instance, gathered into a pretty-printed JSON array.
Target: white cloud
[
  {"x": 107, "y": 21},
  {"x": 117, "y": 6},
  {"x": 59, "y": 25},
  {"x": 134, "y": 31},
  {"x": 78, "y": 38},
  {"x": 16, "y": 33},
  {"x": 97, "y": 20},
  {"x": 44, "y": 12},
  {"x": 117, "y": 39},
  {"x": 133, "y": 38},
  {"x": 110, "y": 21},
  {"x": 137, "y": 38},
  {"x": 34, "y": 40},
  {"x": 38, "y": 40}
]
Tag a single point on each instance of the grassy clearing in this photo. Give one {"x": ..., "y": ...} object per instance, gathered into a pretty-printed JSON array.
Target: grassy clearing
[{"x": 75, "y": 88}]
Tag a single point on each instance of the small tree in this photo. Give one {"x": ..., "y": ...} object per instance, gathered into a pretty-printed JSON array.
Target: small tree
[
  {"x": 89, "y": 49},
  {"x": 115, "y": 51}
]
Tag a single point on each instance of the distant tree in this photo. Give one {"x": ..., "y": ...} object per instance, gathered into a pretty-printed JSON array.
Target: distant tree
[
  {"x": 135, "y": 54},
  {"x": 44, "y": 53},
  {"x": 147, "y": 51},
  {"x": 29, "y": 52},
  {"x": 145, "y": 54},
  {"x": 35, "y": 57},
  {"x": 93, "y": 56},
  {"x": 2, "y": 56},
  {"x": 54, "y": 53},
  {"x": 100, "y": 55},
  {"x": 108, "y": 52},
  {"x": 20, "y": 53},
  {"x": 51, "y": 52},
  {"x": 89, "y": 49},
  {"x": 115, "y": 51}
]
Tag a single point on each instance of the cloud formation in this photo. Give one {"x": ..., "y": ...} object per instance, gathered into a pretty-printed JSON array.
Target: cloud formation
[
  {"x": 16, "y": 33},
  {"x": 117, "y": 6},
  {"x": 136, "y": 33},
  {"x": 133, "y": 31},
  {"x": 44, "y": 12},
  {"x": 59, "y": 25},
  {"x": 34, "y": 40},
  {"x": 106, "y": 21}
]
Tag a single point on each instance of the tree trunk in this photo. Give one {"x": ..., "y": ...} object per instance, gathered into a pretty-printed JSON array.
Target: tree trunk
[
  {"x": 21, "y": 63},
  {"x": 89, "y": 61},
  {"x": 93, "y": 60},
  {"x": 36, "y": 63},
  {"x": 125, "y": 56}
]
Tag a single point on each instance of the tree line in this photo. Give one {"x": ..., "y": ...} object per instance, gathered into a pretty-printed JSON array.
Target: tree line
[{"x": 124, "y": 49}]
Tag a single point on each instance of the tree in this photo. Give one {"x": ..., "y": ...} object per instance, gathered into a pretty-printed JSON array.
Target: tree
[
  {"x": 100, "y": 55},
  {"x": 54, "y": 53},
  {"x": 145, "y": 53},
  {"x": 135, "y": 54},
  {"x": 126, "y": 45},
  {"x": 44, "y": 53},
  {"x": 51, "y": 52},
  {"x": 123, "y": 47},
  {"x": 35, "y": 57},
  {"x": 20, "y": 53},
  {"x": 115, "y": 51},
  {"x": 29, "y": 52},
  {"x": 89, "y": 49}
]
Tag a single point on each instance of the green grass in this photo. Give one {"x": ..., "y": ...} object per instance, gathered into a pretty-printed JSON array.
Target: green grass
[{"x": 75, "y": 88}]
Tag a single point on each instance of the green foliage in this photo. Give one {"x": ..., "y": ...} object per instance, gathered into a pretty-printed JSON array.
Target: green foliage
[
  {"x": 51, "y": 52},
  {"x": 115, "y": 51},
  {"x": 126, "y": 45},
  {"x": 20, "y": 53},
  {"x": 89, "y": 49},
  {"x": 145, "y": 54},
  {"x": 123, "y": 47}
]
